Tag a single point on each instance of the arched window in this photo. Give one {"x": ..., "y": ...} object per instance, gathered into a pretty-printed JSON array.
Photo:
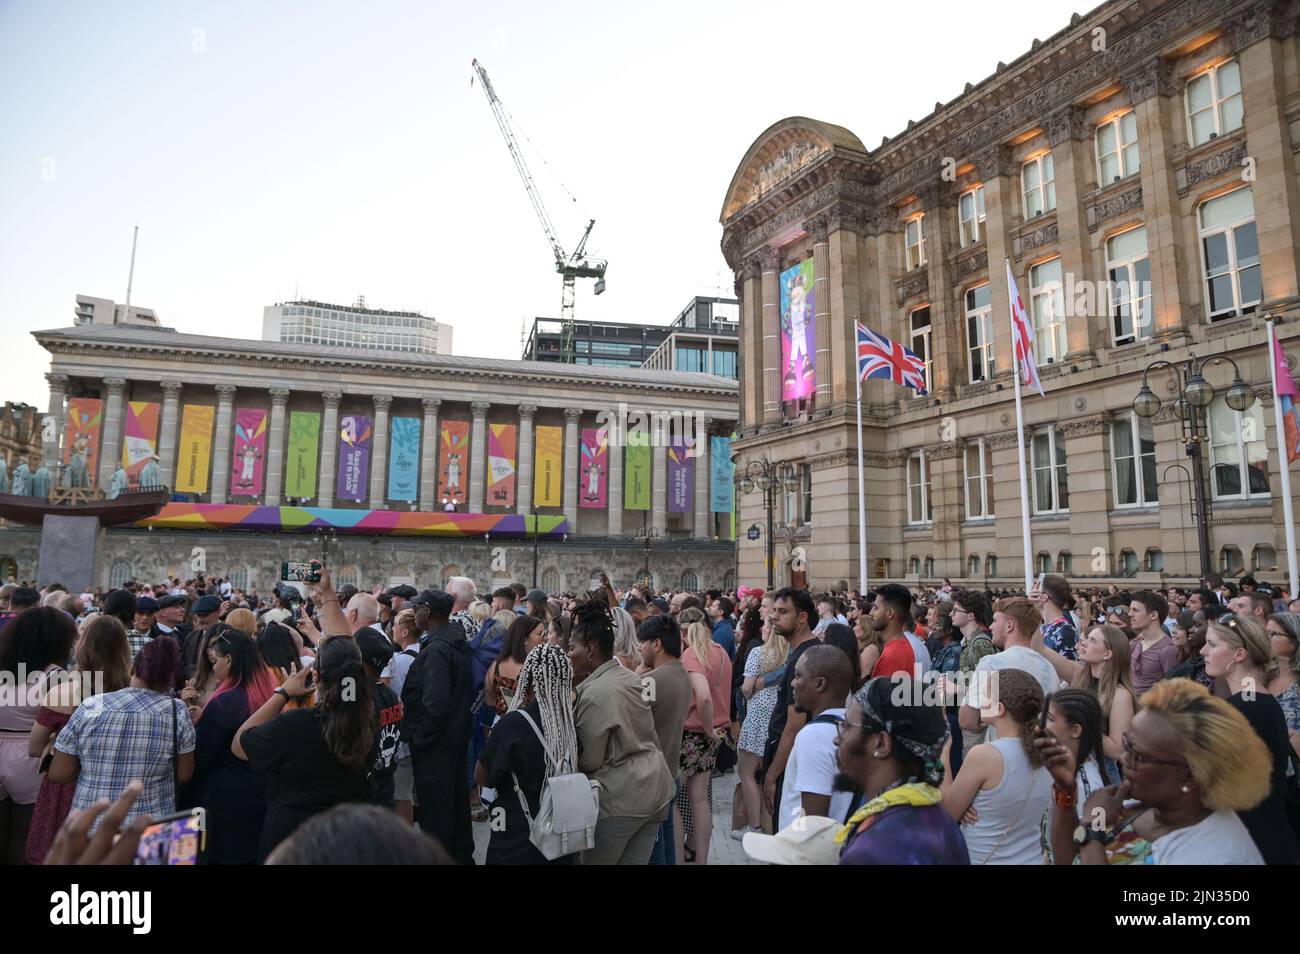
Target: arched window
[
  {"x": 973, "y": 565},
  {"x": 8, "y": 569},
  {"x": 119, "y": 573},
  {"x": 448, "y": 571},
  {"x": 914, "y": 566},
  {"x": 1263, "y": 557},
  {"x": 552, "y": 582},
  {"x": 239, "y": 577},
  {"x": 346, "y": 575},
  {"x": 1155, "y": 560},
  {"x": 929, "y": 566},
  {"x": 690, "y": 582},
  {"x": 1044, "y": 562},
  {"x": 1065, "y": 562},
  {"x": 729, "y": 580},
  {"x": 991, "y": 565},
  {"x": 1230, "y": 561}
]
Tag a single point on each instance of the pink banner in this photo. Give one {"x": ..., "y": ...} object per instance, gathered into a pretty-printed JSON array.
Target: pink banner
[
  {"x": 246, "y": 467},
  {"x": 593, "y": 487}
]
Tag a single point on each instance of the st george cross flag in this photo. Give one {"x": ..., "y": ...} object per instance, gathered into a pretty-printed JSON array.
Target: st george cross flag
[
  {"x": 878, "y": 357},
  {"x": 1022, "y": 335},
  {"x": 1288, "y": 395}
]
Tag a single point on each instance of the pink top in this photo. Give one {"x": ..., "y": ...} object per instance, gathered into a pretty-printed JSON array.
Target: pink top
[
  {"x": 719, "y": 677},
  {"x": 18, "y": 703}
]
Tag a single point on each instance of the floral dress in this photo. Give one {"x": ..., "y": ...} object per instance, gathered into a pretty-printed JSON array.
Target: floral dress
[{"x": 1061, "y": 636}]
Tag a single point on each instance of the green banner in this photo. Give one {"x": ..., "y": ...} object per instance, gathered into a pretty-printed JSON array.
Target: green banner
[
  {"x": 636, "y": 472},
  {"x": 300, "y": 464}
]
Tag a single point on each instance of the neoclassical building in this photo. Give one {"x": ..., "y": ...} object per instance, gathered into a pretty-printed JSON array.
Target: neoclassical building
[
  {"x": 255, "y": 436},
  {"x": 1138, "y": 172}
]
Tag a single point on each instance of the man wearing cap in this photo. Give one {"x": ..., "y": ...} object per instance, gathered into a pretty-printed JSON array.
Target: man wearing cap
[
  {"x": 436, "y": 700},
  {"x": 535, "y": 601},
  {"x": 376, "y": 651},
  {"x": 169, "y": 619},
  {"x": 145, "y": 608}
]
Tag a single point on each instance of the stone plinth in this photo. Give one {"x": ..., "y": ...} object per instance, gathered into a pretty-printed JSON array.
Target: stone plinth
[{"x": 69, "y": 552}]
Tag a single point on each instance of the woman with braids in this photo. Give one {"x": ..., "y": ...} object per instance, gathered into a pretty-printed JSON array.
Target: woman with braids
[
  {"x": 515, "y": 753},
  {"x": 1074, "y": 720},
  {"x": 618, "y": 746},
  {"x": 313, "y": 758},
  {"x": 1002, "y": 790}
]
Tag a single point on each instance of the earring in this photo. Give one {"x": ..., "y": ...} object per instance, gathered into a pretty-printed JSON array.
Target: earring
[{"x": 1186, "y": 789}]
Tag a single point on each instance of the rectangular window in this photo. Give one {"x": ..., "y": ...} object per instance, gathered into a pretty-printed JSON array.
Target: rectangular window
[
  {"x": 724, "y": 363},
  {"x": 1238, "y": 452},
  {"x": 1129, "y": 288},
  {"x": 979, "y": 482},
  {"x": 920, "y": 335},
  {"x": 1051, "y": 489},
  {"x": 1230, "y": 254},
  {"x": 1038, "y": 185},
  {"x": 918, "y": 489},
  {"x": 970, "y": 208},
  {"x": 1047, "y": 302},
  {"x": 1117, "y": 149},
  {"x": 805, "y": 493},
  {"x": 1214, "y": 104},
  {"x": 979, "y": 332},
  {"x": 915, "y": 236},
  {"x": 1133, "y": 456}
]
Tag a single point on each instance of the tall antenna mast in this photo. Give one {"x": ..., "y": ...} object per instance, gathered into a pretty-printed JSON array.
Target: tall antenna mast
[{"x": 130, "y": 277}]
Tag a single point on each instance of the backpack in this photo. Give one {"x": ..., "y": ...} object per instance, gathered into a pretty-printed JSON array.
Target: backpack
[{"x": 569, "y": 808}]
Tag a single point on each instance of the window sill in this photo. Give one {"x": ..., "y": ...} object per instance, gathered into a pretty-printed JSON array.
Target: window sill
[
  {"x": 1243, "y": 503},
  {"x": 1148, "y": 510},
  {"x": 1058, "y": 516}
]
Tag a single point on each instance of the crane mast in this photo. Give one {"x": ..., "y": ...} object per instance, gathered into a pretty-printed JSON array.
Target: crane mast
[{"x": 571, "y": 267}]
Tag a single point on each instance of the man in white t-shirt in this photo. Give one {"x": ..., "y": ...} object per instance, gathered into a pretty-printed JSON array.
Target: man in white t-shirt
[
  {"x": 823, "y": 678},
  {"x": 408, "y": 647},
  {"x": 1014, "y": 622}
]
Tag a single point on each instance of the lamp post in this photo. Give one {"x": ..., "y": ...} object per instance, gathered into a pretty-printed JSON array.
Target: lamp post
[
  {"x": 770, "y": 478},
  {"x": 533, "y": 510},
  {"x": 1195, "y": 396},
  {"x": 649, "y": 535}
]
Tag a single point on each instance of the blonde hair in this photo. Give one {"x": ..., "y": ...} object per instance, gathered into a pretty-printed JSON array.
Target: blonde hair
[
  {"x": 1117, "y": 672},
  {"x": 700, "y": 638},
  {"x": 1245, "y": 632},
  {"x": 625, "y": 641},
  {"x": 406, "y": 619},
  {"x": 1229, "y": 761},
  {"x": 775, "y": 651},
  {"x": 242, "y": 620},
  {"x": 504, "y": 618},
  {"x": 479, "y": 611}
]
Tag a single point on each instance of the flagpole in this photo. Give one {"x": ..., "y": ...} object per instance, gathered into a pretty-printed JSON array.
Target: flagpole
[
  {"x": 862, "y": 505},
  {"x": 1021, "y": 461},
  {"x": 1284, "y": 464}
]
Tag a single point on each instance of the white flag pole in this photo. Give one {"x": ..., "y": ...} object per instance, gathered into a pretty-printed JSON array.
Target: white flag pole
[
  {"x": 1022, "y": 461},
  {"x": 1284, "y": 465},
  {"x": 862, "y": 504}
]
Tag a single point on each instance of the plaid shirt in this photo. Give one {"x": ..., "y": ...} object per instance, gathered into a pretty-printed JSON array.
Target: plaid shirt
[
  {"x": 138, "y": 641},
  {"x": 126, "y": 735}
]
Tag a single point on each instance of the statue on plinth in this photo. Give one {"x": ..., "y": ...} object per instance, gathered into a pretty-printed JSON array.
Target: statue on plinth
[
  {"x": 118, "y": 483},
  {"x": 41, "y": 482},
  {"x": 150, "y": 478},
  {"x": 22, "y": 480},
  {"x": 4, "y": 476}
]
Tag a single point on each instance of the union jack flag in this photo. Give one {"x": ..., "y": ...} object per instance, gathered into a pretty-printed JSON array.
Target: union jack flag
[{"x": 878, "y": 357}]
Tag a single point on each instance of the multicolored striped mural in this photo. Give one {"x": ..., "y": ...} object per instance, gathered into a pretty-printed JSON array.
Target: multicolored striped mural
[{"x": 199, "y": 516}]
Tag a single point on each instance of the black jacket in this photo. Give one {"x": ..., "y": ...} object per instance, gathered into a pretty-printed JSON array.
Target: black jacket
[{"x": 439, "y": 691}]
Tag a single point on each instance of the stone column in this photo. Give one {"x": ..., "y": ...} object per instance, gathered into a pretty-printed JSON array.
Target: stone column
[
  {"x": 821, "y": 311},
  {"x": 844, "y": 298},
  {"x": 50, "y": 448},
  {"x": 429, "y": 454},
  {"x": 750, "y": 359},
  {"x": 572, "y": 452},
  {"x": 478, "y": 456},
  {"x": 111, "y": 449},
  {"x": 329, "y": 448},
  {"x": 524, "y": 465},
  {"x": 946, "y": 350},
  {"x": 275, "y": 448},
  {"x": 1074, "y": 165},
  {"x": 659, "y": 487},
  {"x": 221, "y": 447},
  {"x": 379, "y": 454},
  {"x": 771, "y": 338},
  {"x": 703, "y": 512},
  {"x": 994, "y": 164},
  {"x": 614, "y": 499},
  {"x": 167, "y": 435}
]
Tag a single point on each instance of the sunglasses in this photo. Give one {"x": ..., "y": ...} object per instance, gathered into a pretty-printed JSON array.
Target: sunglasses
[
  {"x": 1138, "y": 759},
  {"x": 1228, "y": 619}
]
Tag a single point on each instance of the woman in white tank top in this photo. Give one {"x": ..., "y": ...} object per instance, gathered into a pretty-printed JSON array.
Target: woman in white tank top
[{"x": 1002, "y": 790}]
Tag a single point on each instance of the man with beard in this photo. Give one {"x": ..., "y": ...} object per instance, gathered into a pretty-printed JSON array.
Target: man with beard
[
  {"x": 891, "y": 617},
  {"x": 793, "y": 615},
  {"x": 889, "y": 749}
]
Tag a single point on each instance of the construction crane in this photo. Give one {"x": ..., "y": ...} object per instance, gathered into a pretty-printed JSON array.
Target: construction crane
[{"x": 571, "y": 267}]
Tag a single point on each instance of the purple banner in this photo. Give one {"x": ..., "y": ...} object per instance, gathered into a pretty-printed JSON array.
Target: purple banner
[
  {"x": 354, "y": 456},
  {"x": 681, "y": 479}
]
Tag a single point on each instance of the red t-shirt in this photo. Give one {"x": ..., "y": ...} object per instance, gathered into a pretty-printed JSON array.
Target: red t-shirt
[{"x": 897, "y": 657}]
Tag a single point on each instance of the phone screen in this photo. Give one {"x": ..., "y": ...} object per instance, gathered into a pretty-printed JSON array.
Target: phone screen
[
  {"x": 178, "y": 839},
  {"x": 301, "y": 572},
  {"x": 1038, "y": 587}
]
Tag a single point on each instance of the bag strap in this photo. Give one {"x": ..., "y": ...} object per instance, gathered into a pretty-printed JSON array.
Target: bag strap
[
  {"x": 540, "y": 738},
  {"x": 176, "y": 768}
]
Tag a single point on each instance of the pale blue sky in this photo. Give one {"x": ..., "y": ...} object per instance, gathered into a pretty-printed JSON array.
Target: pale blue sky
[{"x": 338, "y": 149}]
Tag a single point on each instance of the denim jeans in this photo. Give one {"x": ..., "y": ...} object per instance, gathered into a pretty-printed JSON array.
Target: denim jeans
[{"x": 665, "y": 851}]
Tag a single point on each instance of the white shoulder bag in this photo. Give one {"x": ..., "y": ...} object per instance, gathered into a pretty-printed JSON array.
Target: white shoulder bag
[{"x": 570, "y": 806}]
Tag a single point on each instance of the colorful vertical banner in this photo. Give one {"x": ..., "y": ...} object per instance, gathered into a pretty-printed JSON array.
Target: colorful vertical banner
[
  {"x": 636, "y": 471},
  {"x": 503, "y": 440},
  {"x": 194, "y": 449},
  {"x": 140, "y": 441},
  {"x": 300, "y": 461},
  {"x": 547, "y": 473},
  {"x": 404, "y": 459},
  {"x": 247, "y": 464},
  {"x": 798, "y": 328},
  {"x": 593, "y": 487},
  {"x": 722, "y": 476},
  {"x": 681, "y": 478},
  {"x": 453, "y": 470},
  {"x": 355, "y": 432},
  {"x": 85, "y": 415}
]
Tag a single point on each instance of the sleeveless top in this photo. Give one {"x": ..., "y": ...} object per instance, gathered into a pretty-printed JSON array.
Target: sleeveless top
[{"x": 1009, "y": 814}]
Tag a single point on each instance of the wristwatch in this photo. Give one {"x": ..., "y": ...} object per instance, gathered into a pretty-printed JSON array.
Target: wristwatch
[
  {"x": 1086, "y": 833},
  {"x": 281, "y": 691}
]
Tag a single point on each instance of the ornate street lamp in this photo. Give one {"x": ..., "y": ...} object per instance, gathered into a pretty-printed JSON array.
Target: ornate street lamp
[{"x": 770, "y": 478}]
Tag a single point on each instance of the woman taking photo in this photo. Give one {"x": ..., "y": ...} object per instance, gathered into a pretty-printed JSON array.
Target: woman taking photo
[
  {"x": 313, "y": 759},
  {"x": 515, "y": 754},
  {"x": 524, "y": 633},
  {"x": 1002, "y": 784},
  {"x": 1191, "y": 763},
  {"x": 33, "y": 646},
  {"x": 103, "y": 665},
  {"x": 618, "y": 744},
  {"x": 764, "y": 667},
  {"x": 1074, "y": 719},
  {"x": 233, "y": 794}
]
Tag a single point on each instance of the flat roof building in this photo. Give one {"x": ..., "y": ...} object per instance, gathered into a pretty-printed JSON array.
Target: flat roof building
[
  {"x": 355, "y": 326},
  {"x": 704, "y": 337}
]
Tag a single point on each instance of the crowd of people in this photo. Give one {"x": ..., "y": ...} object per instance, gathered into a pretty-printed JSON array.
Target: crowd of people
[{"x": 941, "y": 726}]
